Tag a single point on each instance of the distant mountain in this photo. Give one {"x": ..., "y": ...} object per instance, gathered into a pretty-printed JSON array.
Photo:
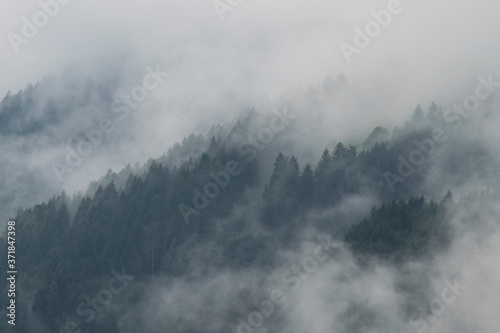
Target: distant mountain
[{"x": 206, "y": 208}]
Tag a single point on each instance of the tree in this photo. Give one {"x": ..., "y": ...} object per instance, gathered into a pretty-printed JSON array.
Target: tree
[
  {"x": 418, "y": 116},
  {"x": 306, "y": 186},
  {"x": 400, "y": 229},
  {"x": 352, "y": 152},
  {"x": 279, "y": 168},
  {"x": 294, "y": 167},
  {"x": 447, "y": 200},
  {"x": 323, "y": 166},
  {"x": 339, "y": 153},
  {"x": 434, "y": 115},
  {"x": 54, "y": 299},
  {"x": 378, "y": 135}
]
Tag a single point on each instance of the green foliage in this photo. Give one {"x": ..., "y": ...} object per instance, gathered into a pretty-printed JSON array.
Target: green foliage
[
  {"x": 402, "y": 229},
  {"x": 132, "y": 219}
]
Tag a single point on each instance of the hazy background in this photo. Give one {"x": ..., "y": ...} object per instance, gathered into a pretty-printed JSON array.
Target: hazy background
[
  {"x": 430, "y": 51},
  {"x": 261, "y": 53}
]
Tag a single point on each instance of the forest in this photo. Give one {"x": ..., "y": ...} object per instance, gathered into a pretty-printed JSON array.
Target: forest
[{"x": 134, "y": 222}]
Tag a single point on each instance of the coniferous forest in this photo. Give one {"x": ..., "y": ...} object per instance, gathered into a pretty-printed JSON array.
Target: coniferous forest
[
  {"x": 231, "y": 166},
  {"x": 220, "y": 215}
]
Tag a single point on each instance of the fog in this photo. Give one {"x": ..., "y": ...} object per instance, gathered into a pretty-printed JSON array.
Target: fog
[
  {"x": 266, "y": 56},
  {"x": 427, "y": 53},
  {"x": 452, "y": 291}
]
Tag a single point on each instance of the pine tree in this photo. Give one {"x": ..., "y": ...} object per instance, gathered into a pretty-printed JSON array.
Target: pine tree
[
  {"x": 54, "y": 300},
  {"x": 434, "y": 116},
  {"x": 323, "y": 166},
  {"x": 418, "y": 116},
  {"x": 447, "y": 200},
  {"x": 352, "y": 152},
  {"x": 339, "y": 153},
  {"x": 280, "y": 166},
  {"x": 307, "y": 186}
]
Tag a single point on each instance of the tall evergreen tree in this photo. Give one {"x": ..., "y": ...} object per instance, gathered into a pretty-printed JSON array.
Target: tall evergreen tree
[
  {"x": 339, "y": 153},
  {"x": 323, "y": 166},
  {"x": 307, "y": 186}
]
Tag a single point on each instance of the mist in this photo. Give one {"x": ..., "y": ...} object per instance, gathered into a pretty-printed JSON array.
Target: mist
[{"x": 205, "y": 67}]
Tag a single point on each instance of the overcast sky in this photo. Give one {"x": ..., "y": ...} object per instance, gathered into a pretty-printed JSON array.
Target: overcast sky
[
  {"x": 428, "y": 52},
  {"x": 429, "y": 49}
]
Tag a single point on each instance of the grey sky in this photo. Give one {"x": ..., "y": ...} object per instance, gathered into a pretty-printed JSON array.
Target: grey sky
[{"x": 430, "y": 51}]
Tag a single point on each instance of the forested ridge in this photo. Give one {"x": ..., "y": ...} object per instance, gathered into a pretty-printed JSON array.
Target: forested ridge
[
  {"x": 233, "y": 166},
  {"x": 69, "y": 245}
]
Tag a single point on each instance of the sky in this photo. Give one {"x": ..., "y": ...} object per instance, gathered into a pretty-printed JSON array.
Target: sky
[
  {"x": 223, "y": 59},
  {"x": 429, "y": 51}
]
